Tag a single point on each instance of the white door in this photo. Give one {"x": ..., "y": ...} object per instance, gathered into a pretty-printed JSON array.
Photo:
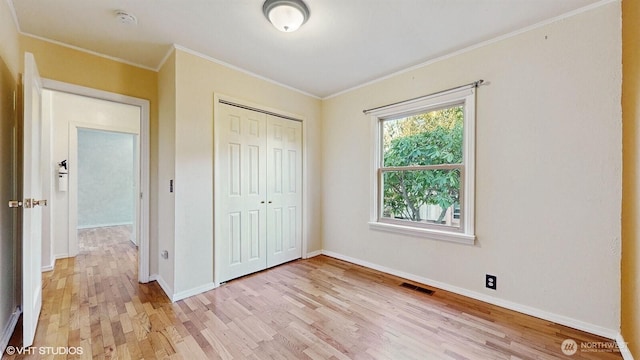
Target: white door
[
  {"x": 32, "y": 192},
  {"x": 241, "y": 211},
  {"x": 284, "y": 192}
]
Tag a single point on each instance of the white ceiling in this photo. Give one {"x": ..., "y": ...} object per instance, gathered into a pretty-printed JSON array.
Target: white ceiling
[{"x": 344, "y": 44}]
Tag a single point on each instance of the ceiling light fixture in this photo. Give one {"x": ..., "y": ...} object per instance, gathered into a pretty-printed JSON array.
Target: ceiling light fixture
[{"x": 286, "y": 15}]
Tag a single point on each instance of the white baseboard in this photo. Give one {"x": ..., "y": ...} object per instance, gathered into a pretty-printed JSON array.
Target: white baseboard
[
  {"x": 8, "y": 330},
  {"x": 80, "y": 227},
  {"x": 163, "y": 285},
  {"x": 556, "y": 318},
  {"x": 313, "y": 253},
  {"x": 191, "y": 292},
  {"x": 624, "y": 348},
  {"x": 48, "y": 268},
  {"x": 53, "y": 262}
]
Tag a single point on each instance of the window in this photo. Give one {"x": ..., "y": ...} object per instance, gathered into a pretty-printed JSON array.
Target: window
[{"x": 424, "y": 166}]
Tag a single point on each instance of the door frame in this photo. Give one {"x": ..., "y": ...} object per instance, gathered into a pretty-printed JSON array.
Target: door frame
[
  {"x": 144, "y": 140},
  {"x": 217, "y": 171}
]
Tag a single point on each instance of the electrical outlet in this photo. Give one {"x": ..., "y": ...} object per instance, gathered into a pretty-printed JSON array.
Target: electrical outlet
[{"x": 491, "y": 282}]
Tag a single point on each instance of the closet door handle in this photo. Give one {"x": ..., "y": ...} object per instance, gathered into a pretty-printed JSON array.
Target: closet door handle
[
  {"x": 270, "y": 201},
  {"x": 262, "y": 202}
]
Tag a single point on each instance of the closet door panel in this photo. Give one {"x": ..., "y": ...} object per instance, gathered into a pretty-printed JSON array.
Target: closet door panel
[
  {"x": 284, "y": 190},
  {"x": 241, "y": 210}
]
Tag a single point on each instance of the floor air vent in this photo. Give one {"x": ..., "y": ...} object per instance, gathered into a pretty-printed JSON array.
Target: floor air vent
[{"x": 417, "y": 288}]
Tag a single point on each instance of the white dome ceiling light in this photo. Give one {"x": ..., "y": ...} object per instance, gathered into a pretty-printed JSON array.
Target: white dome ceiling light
[{"x": 286, "y": 15}]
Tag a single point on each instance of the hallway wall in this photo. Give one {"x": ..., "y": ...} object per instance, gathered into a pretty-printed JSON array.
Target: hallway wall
[{"x": 106, "y": 178}]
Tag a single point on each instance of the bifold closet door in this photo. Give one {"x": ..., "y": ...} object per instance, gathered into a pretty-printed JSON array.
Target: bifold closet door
[
  {"x": 284, "y": 190},
  {"x": 259, "y": 199},
  {"x": 241, "y": 214}
]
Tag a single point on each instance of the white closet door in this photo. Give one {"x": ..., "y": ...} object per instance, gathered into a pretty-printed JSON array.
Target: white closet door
[
  {"x": 284, "y": 190},
  {"x": 241, "y": 214}
]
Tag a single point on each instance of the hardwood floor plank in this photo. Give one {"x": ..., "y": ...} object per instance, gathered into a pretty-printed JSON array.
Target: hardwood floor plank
[
  {"x": 133, "y": 346},
  {"x": 219, "y": 349},
  {"x": 320, "y": 308}
]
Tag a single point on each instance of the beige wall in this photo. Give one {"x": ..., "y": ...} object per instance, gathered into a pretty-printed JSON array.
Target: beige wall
[
  {"x": 166, "y": 171},
  {"x": 9, "y": 266},
  {"x": 631, "y": 175},
  {"x": 548, "y": 177},
  {"x": 9, "y": 45},
  {"x": 64, "y": 64},
  {"x": 197, "y": 79}
]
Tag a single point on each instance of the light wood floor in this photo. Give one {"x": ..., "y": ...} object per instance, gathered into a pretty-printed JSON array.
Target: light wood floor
[{"x": 319, "y": 308}]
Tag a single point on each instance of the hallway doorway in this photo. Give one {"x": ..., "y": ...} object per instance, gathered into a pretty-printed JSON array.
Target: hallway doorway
[
  {"x": 107, "y": 185},
  {"x": 91, "y": 120}
]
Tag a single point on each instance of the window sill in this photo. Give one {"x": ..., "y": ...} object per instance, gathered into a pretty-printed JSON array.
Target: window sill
[{"x": 424, "y": 233}]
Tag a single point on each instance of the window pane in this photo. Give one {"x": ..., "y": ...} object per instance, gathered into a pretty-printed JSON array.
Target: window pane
[
  {"x": 422, "y": 196},
  {"x": 430, "y": 138}
]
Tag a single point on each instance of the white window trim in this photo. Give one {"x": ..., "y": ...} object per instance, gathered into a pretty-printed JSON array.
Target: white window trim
[{"x": 464, "y": 94}]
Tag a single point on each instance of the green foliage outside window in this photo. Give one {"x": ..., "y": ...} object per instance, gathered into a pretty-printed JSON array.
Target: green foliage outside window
[{"x": 432, "y": 138}]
